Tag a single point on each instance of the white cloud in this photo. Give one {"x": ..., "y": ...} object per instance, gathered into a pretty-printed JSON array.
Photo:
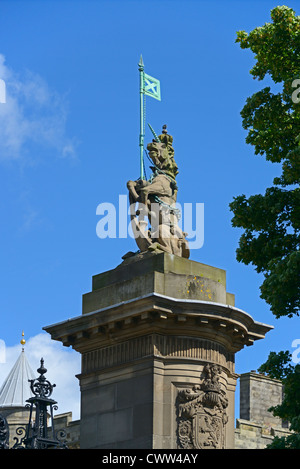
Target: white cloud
[
  {"x": 62, "y": 365},
  {"x": 32, "y": 114},
  {"x": 30, "y": 217}
]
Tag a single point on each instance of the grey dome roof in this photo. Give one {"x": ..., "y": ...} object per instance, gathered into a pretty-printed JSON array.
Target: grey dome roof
[{"x": 16, "y": 388}]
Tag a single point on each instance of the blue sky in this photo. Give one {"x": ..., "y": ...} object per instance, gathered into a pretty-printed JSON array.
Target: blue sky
[{"x": 69, "y": 141}]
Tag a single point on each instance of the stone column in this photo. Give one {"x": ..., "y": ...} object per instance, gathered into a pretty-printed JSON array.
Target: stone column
[{"x": 158, "y": 337}]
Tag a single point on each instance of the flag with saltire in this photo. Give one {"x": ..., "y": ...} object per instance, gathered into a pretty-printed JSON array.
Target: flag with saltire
[{"x": 151, "y": 87}]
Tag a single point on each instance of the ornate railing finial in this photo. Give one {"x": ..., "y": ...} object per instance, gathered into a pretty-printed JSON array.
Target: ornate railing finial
[
  {"x": 40, "y": 386},
  {"x": 37, "y": 434}
]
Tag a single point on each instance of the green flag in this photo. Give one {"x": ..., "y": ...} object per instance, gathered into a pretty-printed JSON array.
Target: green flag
[{"x": 151, "y": 86}]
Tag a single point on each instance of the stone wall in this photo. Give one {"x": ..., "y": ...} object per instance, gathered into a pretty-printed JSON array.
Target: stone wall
[
  {"x": 16, "y": 417},
  {"x": 250, "y": 435},
  {"x": 256, "y": 427},
  {"x": 72, "y": 429}
]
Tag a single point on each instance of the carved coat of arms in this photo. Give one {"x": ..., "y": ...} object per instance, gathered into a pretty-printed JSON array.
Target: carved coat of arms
[{"x": 201, "y": 413}]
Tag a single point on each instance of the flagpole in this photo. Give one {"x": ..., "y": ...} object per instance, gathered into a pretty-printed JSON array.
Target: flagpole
[{"x": 142, "y": 130}]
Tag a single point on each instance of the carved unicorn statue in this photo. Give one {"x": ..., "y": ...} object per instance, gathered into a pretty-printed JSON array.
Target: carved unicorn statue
[{"x": 156, "y": 202}]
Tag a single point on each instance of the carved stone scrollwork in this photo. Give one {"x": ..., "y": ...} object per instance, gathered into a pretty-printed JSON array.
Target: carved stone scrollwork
[{"x": 201, "y": 413}]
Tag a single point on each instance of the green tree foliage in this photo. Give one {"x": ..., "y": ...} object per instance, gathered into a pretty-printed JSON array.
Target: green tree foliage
[
  {"x": 271, "y": 221},
  {"x": 279, "y": 366}
]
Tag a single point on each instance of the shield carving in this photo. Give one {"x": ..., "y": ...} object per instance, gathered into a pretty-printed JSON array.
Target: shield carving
[
  {"x": 201, "y": 413},
  {"x": 207, "y": 430}
]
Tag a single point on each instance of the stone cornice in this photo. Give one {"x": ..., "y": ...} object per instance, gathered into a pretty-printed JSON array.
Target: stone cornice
[{"x": 161, "y": 314}]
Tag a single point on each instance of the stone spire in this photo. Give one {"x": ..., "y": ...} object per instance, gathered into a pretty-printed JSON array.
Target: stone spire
[{"x": 16, "y": 388}]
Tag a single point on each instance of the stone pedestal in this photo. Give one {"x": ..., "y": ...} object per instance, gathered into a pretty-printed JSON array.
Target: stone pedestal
[{"x": 158, "y": 337}]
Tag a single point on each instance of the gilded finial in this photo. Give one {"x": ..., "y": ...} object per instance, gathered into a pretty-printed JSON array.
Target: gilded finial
[{"x": 23, "y": 341}]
